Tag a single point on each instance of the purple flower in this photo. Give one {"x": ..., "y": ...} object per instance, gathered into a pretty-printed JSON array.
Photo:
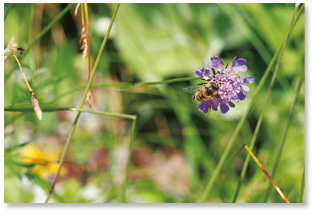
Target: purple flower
[
  {"x": 216, "y": 65},
  {"x": 230, "y": 87},
  {"x": 203, "y": 72},
  {"x": 239, "y": 65}
]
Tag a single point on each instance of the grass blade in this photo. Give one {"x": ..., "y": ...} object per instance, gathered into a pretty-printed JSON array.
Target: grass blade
[
  {"x": 29, "y": 108},
  {"x": 49, "y": 108},
  {"x": 129, "y": 85},
  {"x": 125, "y": 116},
  {"x": 129, "y": 160}
]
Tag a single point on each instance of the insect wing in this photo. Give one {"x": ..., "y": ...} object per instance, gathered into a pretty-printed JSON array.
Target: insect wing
[{"x": 192, "y": 89}]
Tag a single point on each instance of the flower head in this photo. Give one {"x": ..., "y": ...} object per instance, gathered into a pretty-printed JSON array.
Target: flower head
[
  {"x": 9, "y": 49},
  {"x": 230, "y": 87}
]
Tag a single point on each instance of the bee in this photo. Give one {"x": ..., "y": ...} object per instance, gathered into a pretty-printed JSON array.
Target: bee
[{"x": 206, "y": 92}]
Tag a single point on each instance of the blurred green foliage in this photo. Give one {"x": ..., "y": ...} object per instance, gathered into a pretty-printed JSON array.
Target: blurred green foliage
[{"x": 151, "y": 42}]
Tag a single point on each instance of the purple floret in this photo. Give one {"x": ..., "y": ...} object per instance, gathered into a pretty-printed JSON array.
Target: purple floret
[
  {"x": 216, "y": 65},
  {"x": 203, "y": 72}
]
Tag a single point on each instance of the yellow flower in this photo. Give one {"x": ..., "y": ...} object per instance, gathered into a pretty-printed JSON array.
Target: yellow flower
[{"x": 46, "y": 162}]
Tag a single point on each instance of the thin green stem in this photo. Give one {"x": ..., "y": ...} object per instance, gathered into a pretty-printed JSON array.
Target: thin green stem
[
  {"x": 129, "y": 85},
  {"x": 302, "y": 187},
  {"x": 238, "y": 127},
  {"x": 27, "y": 107},
  {"x": 125, "y": 116},
  {"x": 129, "y": 160},
  {"x": 82, "y": 104},
  {"x": 48, "y": 108},
  {"x": 282, "y": 141}
]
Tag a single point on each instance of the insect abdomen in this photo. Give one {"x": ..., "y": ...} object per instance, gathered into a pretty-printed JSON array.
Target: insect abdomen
[{"x": 200, "y": 96}]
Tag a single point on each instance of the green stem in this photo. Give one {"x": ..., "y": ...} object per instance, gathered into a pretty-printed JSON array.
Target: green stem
[
  {"x": 125, "y": 116},
  {"x": 245, "y": 115},
  {"x": 82, "y": 104},
  {"x": 129, "y": 85},
  {"x": 129, "y": 160},
  {"x": 29, "y": 108},
  {"x": 282, "y": 141}
]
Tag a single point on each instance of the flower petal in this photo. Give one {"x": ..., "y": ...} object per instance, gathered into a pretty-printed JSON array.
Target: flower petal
[
  {"x": 235, "y": 99},
  {"x": 227, "y": 70},
  {"x": 241, "y": 95},
  {"x": 242, "y": 68},
  {"x": 224, "y": 108},
  {"x": 214, "y": 59},
  {"x": 208, "y": 64},
  {"x": 241, "y": 61},
  {"x": 248, "y": 79},
  {"x": 246, "y": 88},
  {"x": 231, "y": 104},
  {"x": 207, "y": 73},
  {"x": 199, "y": 71},
  {"x": 203, "y": 106},
  {"x": 215, "y": 104}
]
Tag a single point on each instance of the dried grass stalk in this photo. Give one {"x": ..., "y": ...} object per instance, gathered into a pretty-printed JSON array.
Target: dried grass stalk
[
  {"x": 89, "y": 99},
  {"x": 34, "y": 100},
  {"x": 35, "y": 104}
]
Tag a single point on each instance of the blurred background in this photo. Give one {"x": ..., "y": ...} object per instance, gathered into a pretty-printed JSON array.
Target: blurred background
[{"x": 176, "y": 148}]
